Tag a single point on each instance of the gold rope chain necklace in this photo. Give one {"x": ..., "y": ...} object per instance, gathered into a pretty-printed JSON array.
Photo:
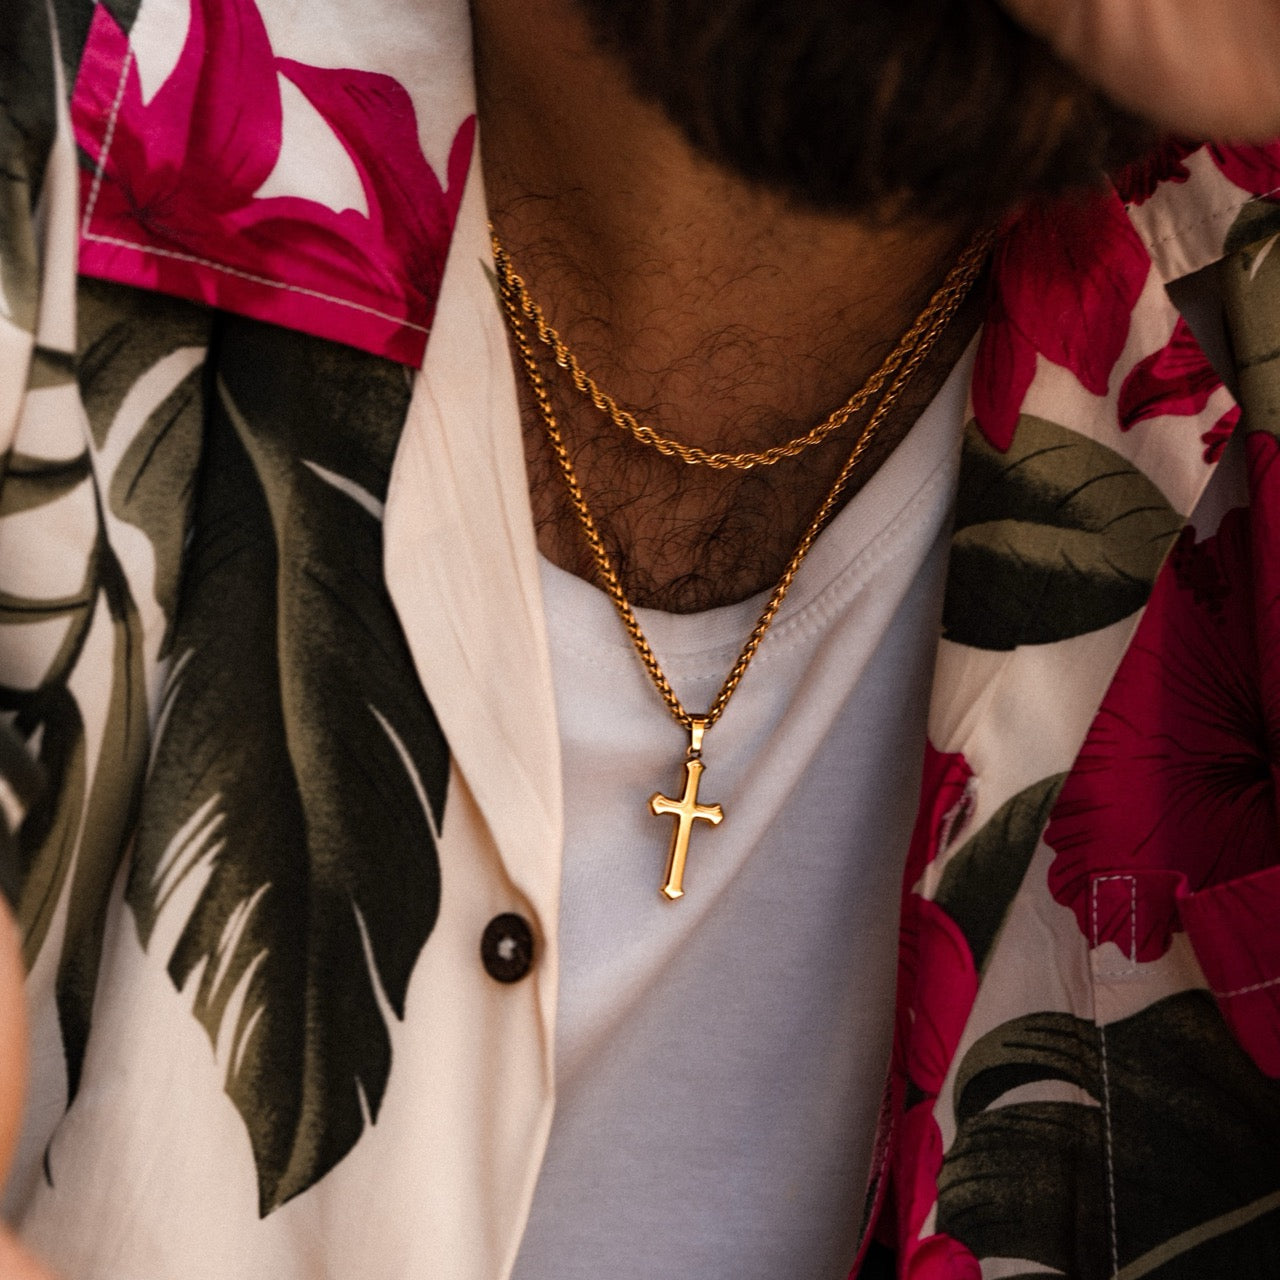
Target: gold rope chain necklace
[
  {"x": 924, "y": 334},
  {"x": 587, "y": 386}
]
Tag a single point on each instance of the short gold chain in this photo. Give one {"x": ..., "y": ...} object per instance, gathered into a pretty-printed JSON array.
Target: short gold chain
[
  {"x": 959, "y": 278},
  {"x": 926, "y": 330}
]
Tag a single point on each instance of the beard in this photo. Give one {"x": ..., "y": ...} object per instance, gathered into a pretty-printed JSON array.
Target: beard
[{"x": 879, "y": 109}]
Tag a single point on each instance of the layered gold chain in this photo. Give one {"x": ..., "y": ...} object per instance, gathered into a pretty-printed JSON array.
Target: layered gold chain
[
  {"x": 892, "y": 376},
  {"x": 955, "y": 285}
]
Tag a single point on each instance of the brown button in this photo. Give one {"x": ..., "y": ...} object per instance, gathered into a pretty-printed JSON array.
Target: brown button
[{"x": 506, "y": 948}]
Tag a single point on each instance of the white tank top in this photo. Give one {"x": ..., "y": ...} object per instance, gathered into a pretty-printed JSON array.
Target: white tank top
[{"x": 720, "y": 1059}]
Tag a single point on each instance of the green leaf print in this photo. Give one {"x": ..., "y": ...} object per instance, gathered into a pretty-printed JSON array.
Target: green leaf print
[
  {"x": 25, "y": 780},
  {"x": 36, "y": 482},
  {"x": 74, "y": 837},
  {"x": 27, "y": 130},
  {"x": 1256, "y": 222},
  {"x": 983, "y": 876},
  {"x": 1054, "y": 538},
  {"x": 126, "y": 336},
  {"x": 90, "y": 700},
  {"x": 1251, "y": 291},
  {"x": 1146, "y": 1148},
  {"x": 50, "y": 369},
  {"x": 300, "y": 775}
]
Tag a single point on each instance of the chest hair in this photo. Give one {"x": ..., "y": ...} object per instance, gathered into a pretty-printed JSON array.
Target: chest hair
[{"x": 684, "y": 538}]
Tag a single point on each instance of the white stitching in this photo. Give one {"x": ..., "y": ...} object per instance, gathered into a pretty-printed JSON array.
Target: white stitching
[
  {"x": 1133, "y": 923},
  {"x": 256, "y": 279},
  {"x": 107, "y": 139},
  {"x": 1110, "y": 1156},
  {"x": 1244, "y": 991},
  {"x": 91, "y": 204},
  {"x": 1107, "y": 1140},
  {"x": 1183, "y": 227}
]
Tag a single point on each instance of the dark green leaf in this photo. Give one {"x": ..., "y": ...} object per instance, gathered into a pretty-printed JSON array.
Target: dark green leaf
[
  {"x": 984, "y": 874},
  {"x": 26, "y": 780},
  {"x": 28, "y": 125},
  {"x": 301, "y": 770},
  {"x": 48, "y": 836},
  {"x": 1174, "y": 1123},
  {"x": 74, "y": 18},
  {"x": 153, "y": 485},
  {"x": 50, "y": 369},
  {"x": 1258, "y": 220},
  {"x": 1057, "y": 537},
  {"x": 34, "y": 482},
  {"x": 1251, "y": 291},
  {"x": 67, "y": 837},
  {"x": 1045, "y": 1046},
  {"x": 1025, "y": 1182},
  {"x": 125, "y": 333},
  {"x": 70, "y": 846}
]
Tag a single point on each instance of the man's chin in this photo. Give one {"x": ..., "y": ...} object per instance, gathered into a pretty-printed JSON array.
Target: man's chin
[{"x": 877, "y": 109}]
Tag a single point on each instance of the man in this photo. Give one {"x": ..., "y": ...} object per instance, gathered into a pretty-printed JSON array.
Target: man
[{"x": 391, "y": 846}]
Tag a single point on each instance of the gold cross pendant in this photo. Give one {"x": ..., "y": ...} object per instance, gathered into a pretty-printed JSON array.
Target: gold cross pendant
[{"x": 686, "y": 811}]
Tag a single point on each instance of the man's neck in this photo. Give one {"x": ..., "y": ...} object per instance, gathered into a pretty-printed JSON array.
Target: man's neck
[{"x": 717, "y": 312}]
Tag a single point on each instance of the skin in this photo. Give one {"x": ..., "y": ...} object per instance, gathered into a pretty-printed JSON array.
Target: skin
[
  {"x": 636, "y": 245},
  {"x": 1206, "y": 68}
]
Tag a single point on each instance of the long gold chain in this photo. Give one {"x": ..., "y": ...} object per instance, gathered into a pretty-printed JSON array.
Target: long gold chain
[
  {"x": 927, "y": 330},
  {"x": 960, "y": 277}
]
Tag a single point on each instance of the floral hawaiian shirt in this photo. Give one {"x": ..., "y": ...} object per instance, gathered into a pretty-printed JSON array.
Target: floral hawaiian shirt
[{"x": 280, "y": 739}]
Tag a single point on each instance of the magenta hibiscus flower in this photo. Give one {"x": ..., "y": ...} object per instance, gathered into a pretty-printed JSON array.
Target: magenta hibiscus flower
[
  {"x": 1216, "y": 438},
  {"x": 1066, "y": 278},
  {"x": 1138, "y": 182},
  {"x": 941, "y": 1258},
  {"x": 916, "y": 1172},
  {"x": 944, "y": 805},
  {"x": 1179, "y": 769},
  {"x": 944, "y": 985},
  {"x": 1177, "y": 379},
  {"x": 936, "y": 1257},
  {"x": 1233, "y": 930},
  {"x": 1254, "y": 168},
  {"x": 171, "y": 193}
]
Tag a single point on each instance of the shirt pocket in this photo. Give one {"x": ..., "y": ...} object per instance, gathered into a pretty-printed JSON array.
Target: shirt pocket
[
  {"x": 1234, "y": 930},
  {"x": 1190, "y": 1112}
]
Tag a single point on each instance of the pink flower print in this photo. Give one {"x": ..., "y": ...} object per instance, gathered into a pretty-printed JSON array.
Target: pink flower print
[
  {"x": 400, "y": 246},
  {"x": 919, "y": 1161},
  {"x": 1065, "y": 281},
  {"x": 941, "y": 1258},
  {"x": 1262, "y": 454},
  {"x": 1233, "y": 930},
  {"x": 1256, "y": 169},
  {"x": 1177, "y": 379},
  {"x": 1216, "y": 438},
  {"x": 176, "y": 167},
  {"x": 944, "y": 788},
  {"x": 1139, "y": 181},
  {"x": 171, "y": 191},
  {"x": 1179, "y": 768},
  {"x": 944, "y": 985},
  {"x": 944, "y": 802}
]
